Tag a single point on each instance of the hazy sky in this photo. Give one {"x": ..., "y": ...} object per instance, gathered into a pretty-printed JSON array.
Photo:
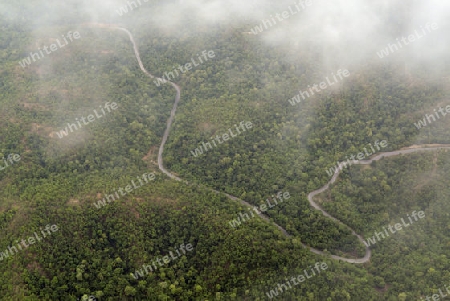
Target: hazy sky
[{"x": 350, "y": 29}]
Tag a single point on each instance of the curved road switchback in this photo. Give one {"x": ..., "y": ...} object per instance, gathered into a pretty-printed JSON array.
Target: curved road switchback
[
  {"x": 172, "y": 112},
  {"x": 366, "y": 258}
]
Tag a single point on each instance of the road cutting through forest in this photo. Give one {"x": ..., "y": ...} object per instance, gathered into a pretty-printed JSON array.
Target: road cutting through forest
[{"x": 366, "y": 258}]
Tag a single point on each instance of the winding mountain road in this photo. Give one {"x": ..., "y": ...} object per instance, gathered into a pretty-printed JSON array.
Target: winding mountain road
[{"x": 311, "y": 195}]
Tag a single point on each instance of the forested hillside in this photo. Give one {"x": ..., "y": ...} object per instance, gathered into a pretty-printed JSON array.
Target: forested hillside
[{"x": 96, "y": 252}]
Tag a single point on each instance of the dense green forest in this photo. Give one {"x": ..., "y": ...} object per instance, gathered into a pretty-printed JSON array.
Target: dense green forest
[{"x": 96, "y": 251}]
